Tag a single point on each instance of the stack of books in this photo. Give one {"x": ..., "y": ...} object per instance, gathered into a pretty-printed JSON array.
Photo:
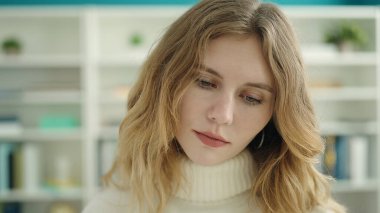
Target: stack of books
[
  {"x": 346, "y": 158},
  {"x": 19, "y": 167}
]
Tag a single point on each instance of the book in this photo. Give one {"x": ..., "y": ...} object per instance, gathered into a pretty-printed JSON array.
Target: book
[
  {"x": 5, "y": 166},
  {"x": 11, "y": 177},
  {"x": 18, "y": 167},
  {"x": 358, "y": 159},
  {"x": 342, "y": 157},
  {"x": 329, "y": 157},
  {"x": 31, "y": 167},
  {"x": 346, "y": 158}
]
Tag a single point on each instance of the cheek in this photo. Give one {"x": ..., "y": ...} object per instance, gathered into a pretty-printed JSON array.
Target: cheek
[
  {"x": 193, "y": 103},
  {"x": 251, "y": 125},
  {"x": 188, "y": 108},
  {"x": 267, "y": 115}
]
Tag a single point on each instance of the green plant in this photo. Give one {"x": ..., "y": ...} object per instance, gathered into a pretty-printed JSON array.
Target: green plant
[
  {"x": 346, "y": 33},
  {"x": 11, "y": 45},
  {"x": 136, "y": 39}
]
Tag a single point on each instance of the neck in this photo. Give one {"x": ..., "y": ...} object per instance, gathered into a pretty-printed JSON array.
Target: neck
[{"x": 222, "y": 181}]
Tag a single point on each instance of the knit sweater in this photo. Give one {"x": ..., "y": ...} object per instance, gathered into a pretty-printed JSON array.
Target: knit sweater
[{"x": 222, "y": 188}]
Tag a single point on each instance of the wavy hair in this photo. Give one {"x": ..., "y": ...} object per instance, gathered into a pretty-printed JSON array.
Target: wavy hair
[{"x": 147, "y": 158}]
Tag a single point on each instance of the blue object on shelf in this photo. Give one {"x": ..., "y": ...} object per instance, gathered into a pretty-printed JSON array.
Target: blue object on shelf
[
  {"x": 5, "y": 166},
  {"x": 342, "y": 158},
  {"x": 14, "y": 207}
]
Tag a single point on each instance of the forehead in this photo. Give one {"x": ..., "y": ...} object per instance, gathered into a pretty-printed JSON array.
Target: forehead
[{"x": 238, "y": 56}]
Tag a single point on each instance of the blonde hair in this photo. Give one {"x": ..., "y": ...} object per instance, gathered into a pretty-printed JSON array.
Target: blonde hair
[{"x": 147, "y": 157}]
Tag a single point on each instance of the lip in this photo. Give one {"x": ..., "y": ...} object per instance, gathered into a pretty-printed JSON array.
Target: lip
[{"x": 211, "y": 139}]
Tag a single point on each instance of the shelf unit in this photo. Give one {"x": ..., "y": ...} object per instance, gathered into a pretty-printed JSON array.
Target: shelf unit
[
  {"x": 93, "y": 50},
  {"x": 44, "y": 82},
  {"x": 17, "y": 196},
  {"x": 38, "y": 135},
  {"x": 345, "y": 90}
]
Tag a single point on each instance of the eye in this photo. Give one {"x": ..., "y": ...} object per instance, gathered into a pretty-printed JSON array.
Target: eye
[
  {"x": 250, "y": 100},
  {"x": 206, "y": 84}
]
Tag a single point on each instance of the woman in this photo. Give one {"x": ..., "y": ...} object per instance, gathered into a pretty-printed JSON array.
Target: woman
[{"x": 220, "y": 121}]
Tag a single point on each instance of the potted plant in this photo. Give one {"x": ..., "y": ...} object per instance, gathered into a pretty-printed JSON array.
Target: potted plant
[
  {"x": 346, "y": 36},
  {"x": 136, "y": 39},
  {"x": 11, "y": 46}
]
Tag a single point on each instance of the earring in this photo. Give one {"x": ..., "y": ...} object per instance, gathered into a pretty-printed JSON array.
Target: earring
[
  {"x": 177, "y": 146},
  {"x": 262, "y": 140}
]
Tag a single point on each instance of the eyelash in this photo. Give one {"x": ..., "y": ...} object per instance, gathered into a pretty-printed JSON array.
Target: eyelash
[
  {"x": 208, "y": 85},
  {"x": 252, "y": 101}
]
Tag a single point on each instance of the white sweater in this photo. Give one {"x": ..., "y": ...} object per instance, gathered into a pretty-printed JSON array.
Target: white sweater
[{"x": 223, "y": 188}]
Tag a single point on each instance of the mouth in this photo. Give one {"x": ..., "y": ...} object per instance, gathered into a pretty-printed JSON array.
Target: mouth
[{"x": 211, "y": 139}]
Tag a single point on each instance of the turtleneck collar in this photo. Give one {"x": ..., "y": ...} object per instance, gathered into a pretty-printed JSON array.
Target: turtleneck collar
[{"x": 214, "y": 183}]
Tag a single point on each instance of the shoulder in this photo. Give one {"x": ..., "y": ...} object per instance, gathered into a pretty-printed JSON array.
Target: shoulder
[{"x": 108, "y": 200}]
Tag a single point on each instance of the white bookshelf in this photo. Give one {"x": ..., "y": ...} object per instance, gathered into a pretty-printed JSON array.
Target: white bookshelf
[
  {"x": 344, "y": 94},
  {"x": 89, "y": 48},
  {"x": 348, "y": 127},
  {"x": 330, "y": 12},
  {"x": 40, "y": 61},
  {"x": 41, "y": 195},
  {"x": 339, "y": 59},
  {"x": 371, "y": 186},
  {"x": 37, "y": 135},
  {"x": 344, "y": 90},
  {"x": 125, "y": 60},
  {"x": 44, "y": 81}
]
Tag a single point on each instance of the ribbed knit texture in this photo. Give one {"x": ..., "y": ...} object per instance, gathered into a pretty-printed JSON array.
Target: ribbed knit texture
[{"x": 214, "y": 183}]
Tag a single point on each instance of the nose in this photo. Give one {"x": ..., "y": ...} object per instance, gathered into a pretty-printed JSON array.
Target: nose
[{"x": 221, "y": 110}]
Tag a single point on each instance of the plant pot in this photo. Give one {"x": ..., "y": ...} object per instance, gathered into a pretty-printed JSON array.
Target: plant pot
[
  {"x": 12, "y": 51},
  {"x": 345, "y": 47}
]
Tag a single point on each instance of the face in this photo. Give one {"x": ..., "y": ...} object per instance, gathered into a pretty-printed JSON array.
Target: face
[{"x": 229, "y": 103}]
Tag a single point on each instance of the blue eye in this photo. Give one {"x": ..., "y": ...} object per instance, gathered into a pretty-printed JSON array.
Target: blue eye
[
  {"x": 206, "y": 84},
  {"x": 250, "y": 100}
]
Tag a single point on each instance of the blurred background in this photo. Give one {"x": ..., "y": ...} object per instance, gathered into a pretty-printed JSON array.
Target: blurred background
[{"x": 66, "y": 68}]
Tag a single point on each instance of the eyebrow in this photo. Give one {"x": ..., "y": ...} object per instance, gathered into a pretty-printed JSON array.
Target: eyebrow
[{"x": 250, "y": 84}]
